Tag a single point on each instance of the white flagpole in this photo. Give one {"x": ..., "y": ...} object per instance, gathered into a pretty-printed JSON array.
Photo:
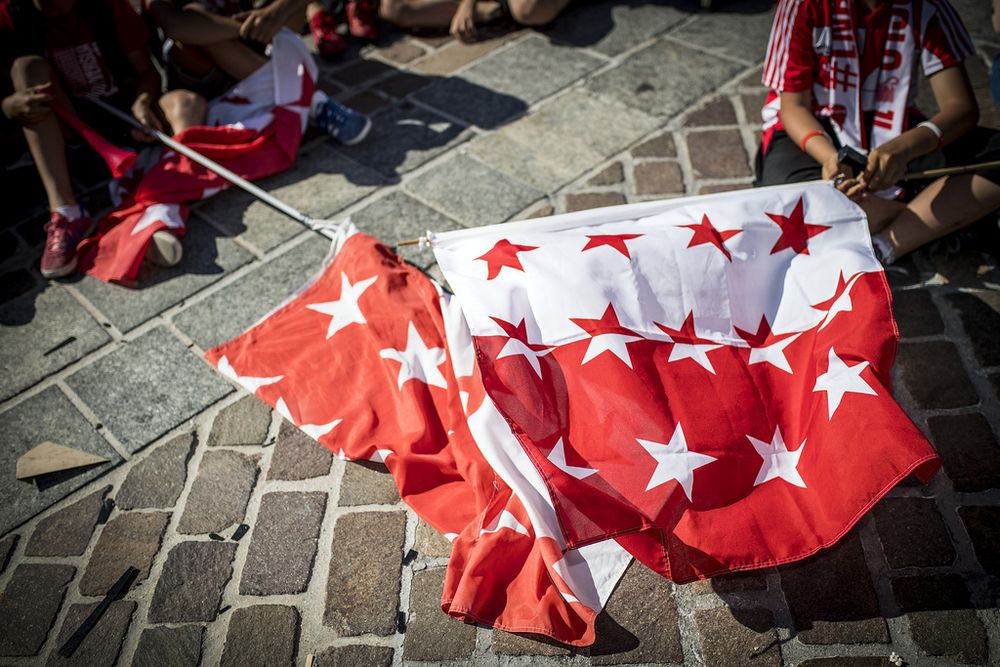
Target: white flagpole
[{"x": 320, "y": 226}]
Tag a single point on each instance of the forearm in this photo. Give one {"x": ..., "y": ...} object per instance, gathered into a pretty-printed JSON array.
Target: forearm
[
  {"x": 149, "y": 85},
  {"x": 194, "y": 27},
  {"x": 799, "y": 122}
]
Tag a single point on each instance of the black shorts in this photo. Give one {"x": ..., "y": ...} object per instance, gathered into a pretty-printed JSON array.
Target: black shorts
[{"x": 785, "y": 162}]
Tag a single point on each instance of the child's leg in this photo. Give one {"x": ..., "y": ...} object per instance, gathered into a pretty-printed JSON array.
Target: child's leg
[
  {"x": 431, "y": 13},
  {"x": 183, "y": 109},
  {"x": 945, "y": 206},
  {"x": 45, "y": 139},
  {"x": 536, "y": 12}
]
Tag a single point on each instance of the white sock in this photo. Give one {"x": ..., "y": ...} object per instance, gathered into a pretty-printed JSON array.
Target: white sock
[
  {"x": 318, "y": 100},
  {"x": 885, "y": 248},
  {"x": 71, "y": 213}
]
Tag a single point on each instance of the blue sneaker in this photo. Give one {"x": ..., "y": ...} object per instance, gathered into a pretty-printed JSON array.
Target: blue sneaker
[{"x": 345, "y": 125}]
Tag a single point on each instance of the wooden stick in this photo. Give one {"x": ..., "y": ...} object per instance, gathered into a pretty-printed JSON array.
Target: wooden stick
[
  {"x": 951, "y": 171},
  {"x": 406, "y": 242}
]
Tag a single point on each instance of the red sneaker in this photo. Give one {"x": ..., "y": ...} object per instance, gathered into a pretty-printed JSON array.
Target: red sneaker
[
  {"x": 362, "y": 20},
  {"x": 59, "y": 256},
  {"x": 323, "y": 26}
]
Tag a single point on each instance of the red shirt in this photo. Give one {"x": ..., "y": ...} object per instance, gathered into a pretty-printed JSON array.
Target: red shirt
[
  {"x": 71, "y": 49},
  {"x": 798, "y": 53}
]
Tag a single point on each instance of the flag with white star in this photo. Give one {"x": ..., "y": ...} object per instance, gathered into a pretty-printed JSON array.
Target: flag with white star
[
  {"x": 254, "y": 130},
  {"x": 374, "y": 361},
  {"x": 704, "y": 380}
]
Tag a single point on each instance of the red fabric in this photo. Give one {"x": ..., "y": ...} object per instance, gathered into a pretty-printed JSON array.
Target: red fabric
[
  {"x": 795, "y": 63},
  {"x": 339, "y": 385}
]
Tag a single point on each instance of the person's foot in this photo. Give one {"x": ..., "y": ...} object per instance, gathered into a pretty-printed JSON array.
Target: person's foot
[
  {"x": 62, "y": 237},
  {"x": 345, "y": 125},
  {"x": 362, "y": 20},
  {"x": 329, "y": 44},
  {"x": 165, "y": 249}
]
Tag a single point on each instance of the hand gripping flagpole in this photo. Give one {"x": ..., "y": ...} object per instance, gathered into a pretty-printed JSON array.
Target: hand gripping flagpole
[{"x": 314, "y": 224}]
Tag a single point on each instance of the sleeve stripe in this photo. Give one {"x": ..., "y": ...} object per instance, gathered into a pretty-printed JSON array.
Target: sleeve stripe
[
  {"x": 781, "y": 36},
  {"x": 777, "y": 33},
  {"x": 958, "y": 38}
]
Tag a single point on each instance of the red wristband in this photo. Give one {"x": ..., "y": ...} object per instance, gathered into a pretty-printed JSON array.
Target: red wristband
[{"x": 809, "y": 135}]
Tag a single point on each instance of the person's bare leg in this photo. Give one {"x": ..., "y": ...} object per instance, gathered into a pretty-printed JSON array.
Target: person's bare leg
[
  {"x": 536, "y": 12},
  {"x": 431, "y": 13},
  {"x": 183, "y": 109},
  {"x": 235, "y": 58},
  {"x": 945, "y": 206},
  {"x": 45, "y": 139},
  {"x": 880, "y": 212}
]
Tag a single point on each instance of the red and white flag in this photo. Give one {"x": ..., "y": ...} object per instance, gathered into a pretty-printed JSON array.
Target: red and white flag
[
  {"x": 704, "y": 380},
  {"x": 701, "y": 383},
  {"x": 375, "y": 362},
  {"x": 254, "y": 130}
]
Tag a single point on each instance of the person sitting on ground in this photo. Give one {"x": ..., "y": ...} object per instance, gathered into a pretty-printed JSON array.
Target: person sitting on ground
[
  {"x": 63, "y": 51},
  {"x": 208, "y": 51},
  {"x": 843, "y": 73},
  {"x": 461, "y": 17}
]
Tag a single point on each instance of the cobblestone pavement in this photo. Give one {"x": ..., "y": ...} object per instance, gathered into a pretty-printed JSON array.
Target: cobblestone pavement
[{"x": 616, "y": 103}]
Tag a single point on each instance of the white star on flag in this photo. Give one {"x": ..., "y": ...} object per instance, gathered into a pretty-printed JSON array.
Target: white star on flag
[
  {"x": 513, "y": 347},
  {"x": 696, "y": 352},
  {"x": 168, "y": 214},
  {"x": 380, "y": 455},
  {"x": 773, "y": 354},
  {"x": 674, "y": 461},
  {"x": 248, "y": 382},
  {"x": 504, "y": 520},
  {"x": 417, "y": 361},
  {"x": 558, "y": 458},
  {"x": 778, "y": 461},
  {"x": 610, "y": 342},
  {"x": 841, "y": 379},
  {"x": 842, "y": 303},
  {"x": 345, "y": 310},
  {"x": 314, "y": 431}
]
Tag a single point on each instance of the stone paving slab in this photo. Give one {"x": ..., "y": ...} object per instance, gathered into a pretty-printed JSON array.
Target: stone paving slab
[
  {"x": 60, "y": 423},
  {"x": 471, "y": 192},
  {"x": 147, "y": 387},
  {"x": 560, "y": 151},
  {"x": 67, "y": 532},
  {"x": 237, "y": 306},
  {"x": 404, "y": 137},
  {"x": 29, "y": 605},
  {"x": 164, "y": 646},
  {"x": 502, "y": 85},
  {"x": 101, "y": 645},
  {"x": 657, "y": 79},
  {"x": 43, "y": 333},
  {"x": 207, "y": 257},
  {"x": 612, "y": 28},
  {"x": 740, "y": 30},
  {"x": 321, "y": 183},
  {"x": 157, "y": 480},
  {"x": 398, "y": 216}
]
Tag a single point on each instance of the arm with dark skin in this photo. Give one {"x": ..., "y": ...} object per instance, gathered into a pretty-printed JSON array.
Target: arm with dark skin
[
  {"x": 191, "y": 25},
  {"x": 958, "y": 114},
  {"x": 145, "y": 107},
  {"x": 886, "y": 163},
  {"x": 261, "y": 25}
]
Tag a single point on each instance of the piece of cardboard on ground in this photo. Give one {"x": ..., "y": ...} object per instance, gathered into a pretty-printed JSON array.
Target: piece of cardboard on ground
[{"x": 50, "y": 457}]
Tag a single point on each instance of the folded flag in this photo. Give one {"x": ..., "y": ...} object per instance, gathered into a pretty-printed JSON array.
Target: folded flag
[
  {"x": 705, "y": 380},
  {"x": 254, "y": 130},
  {"x": 700, "y": 383}
]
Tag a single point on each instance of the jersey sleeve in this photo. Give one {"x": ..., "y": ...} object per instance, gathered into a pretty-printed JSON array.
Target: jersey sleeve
[
  {"x": 790, "y": 57},
  {"x": 944, "y": 41},
  {"x": 131, "y": 29}
]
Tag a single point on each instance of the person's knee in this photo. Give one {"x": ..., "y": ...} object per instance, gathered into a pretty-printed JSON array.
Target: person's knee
[
  {"x": 183, "y": 109},
  {"x": 534, "y": 12},
  {"x": 30, "y": 71},
  {"x": 393, "y": 11}
]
